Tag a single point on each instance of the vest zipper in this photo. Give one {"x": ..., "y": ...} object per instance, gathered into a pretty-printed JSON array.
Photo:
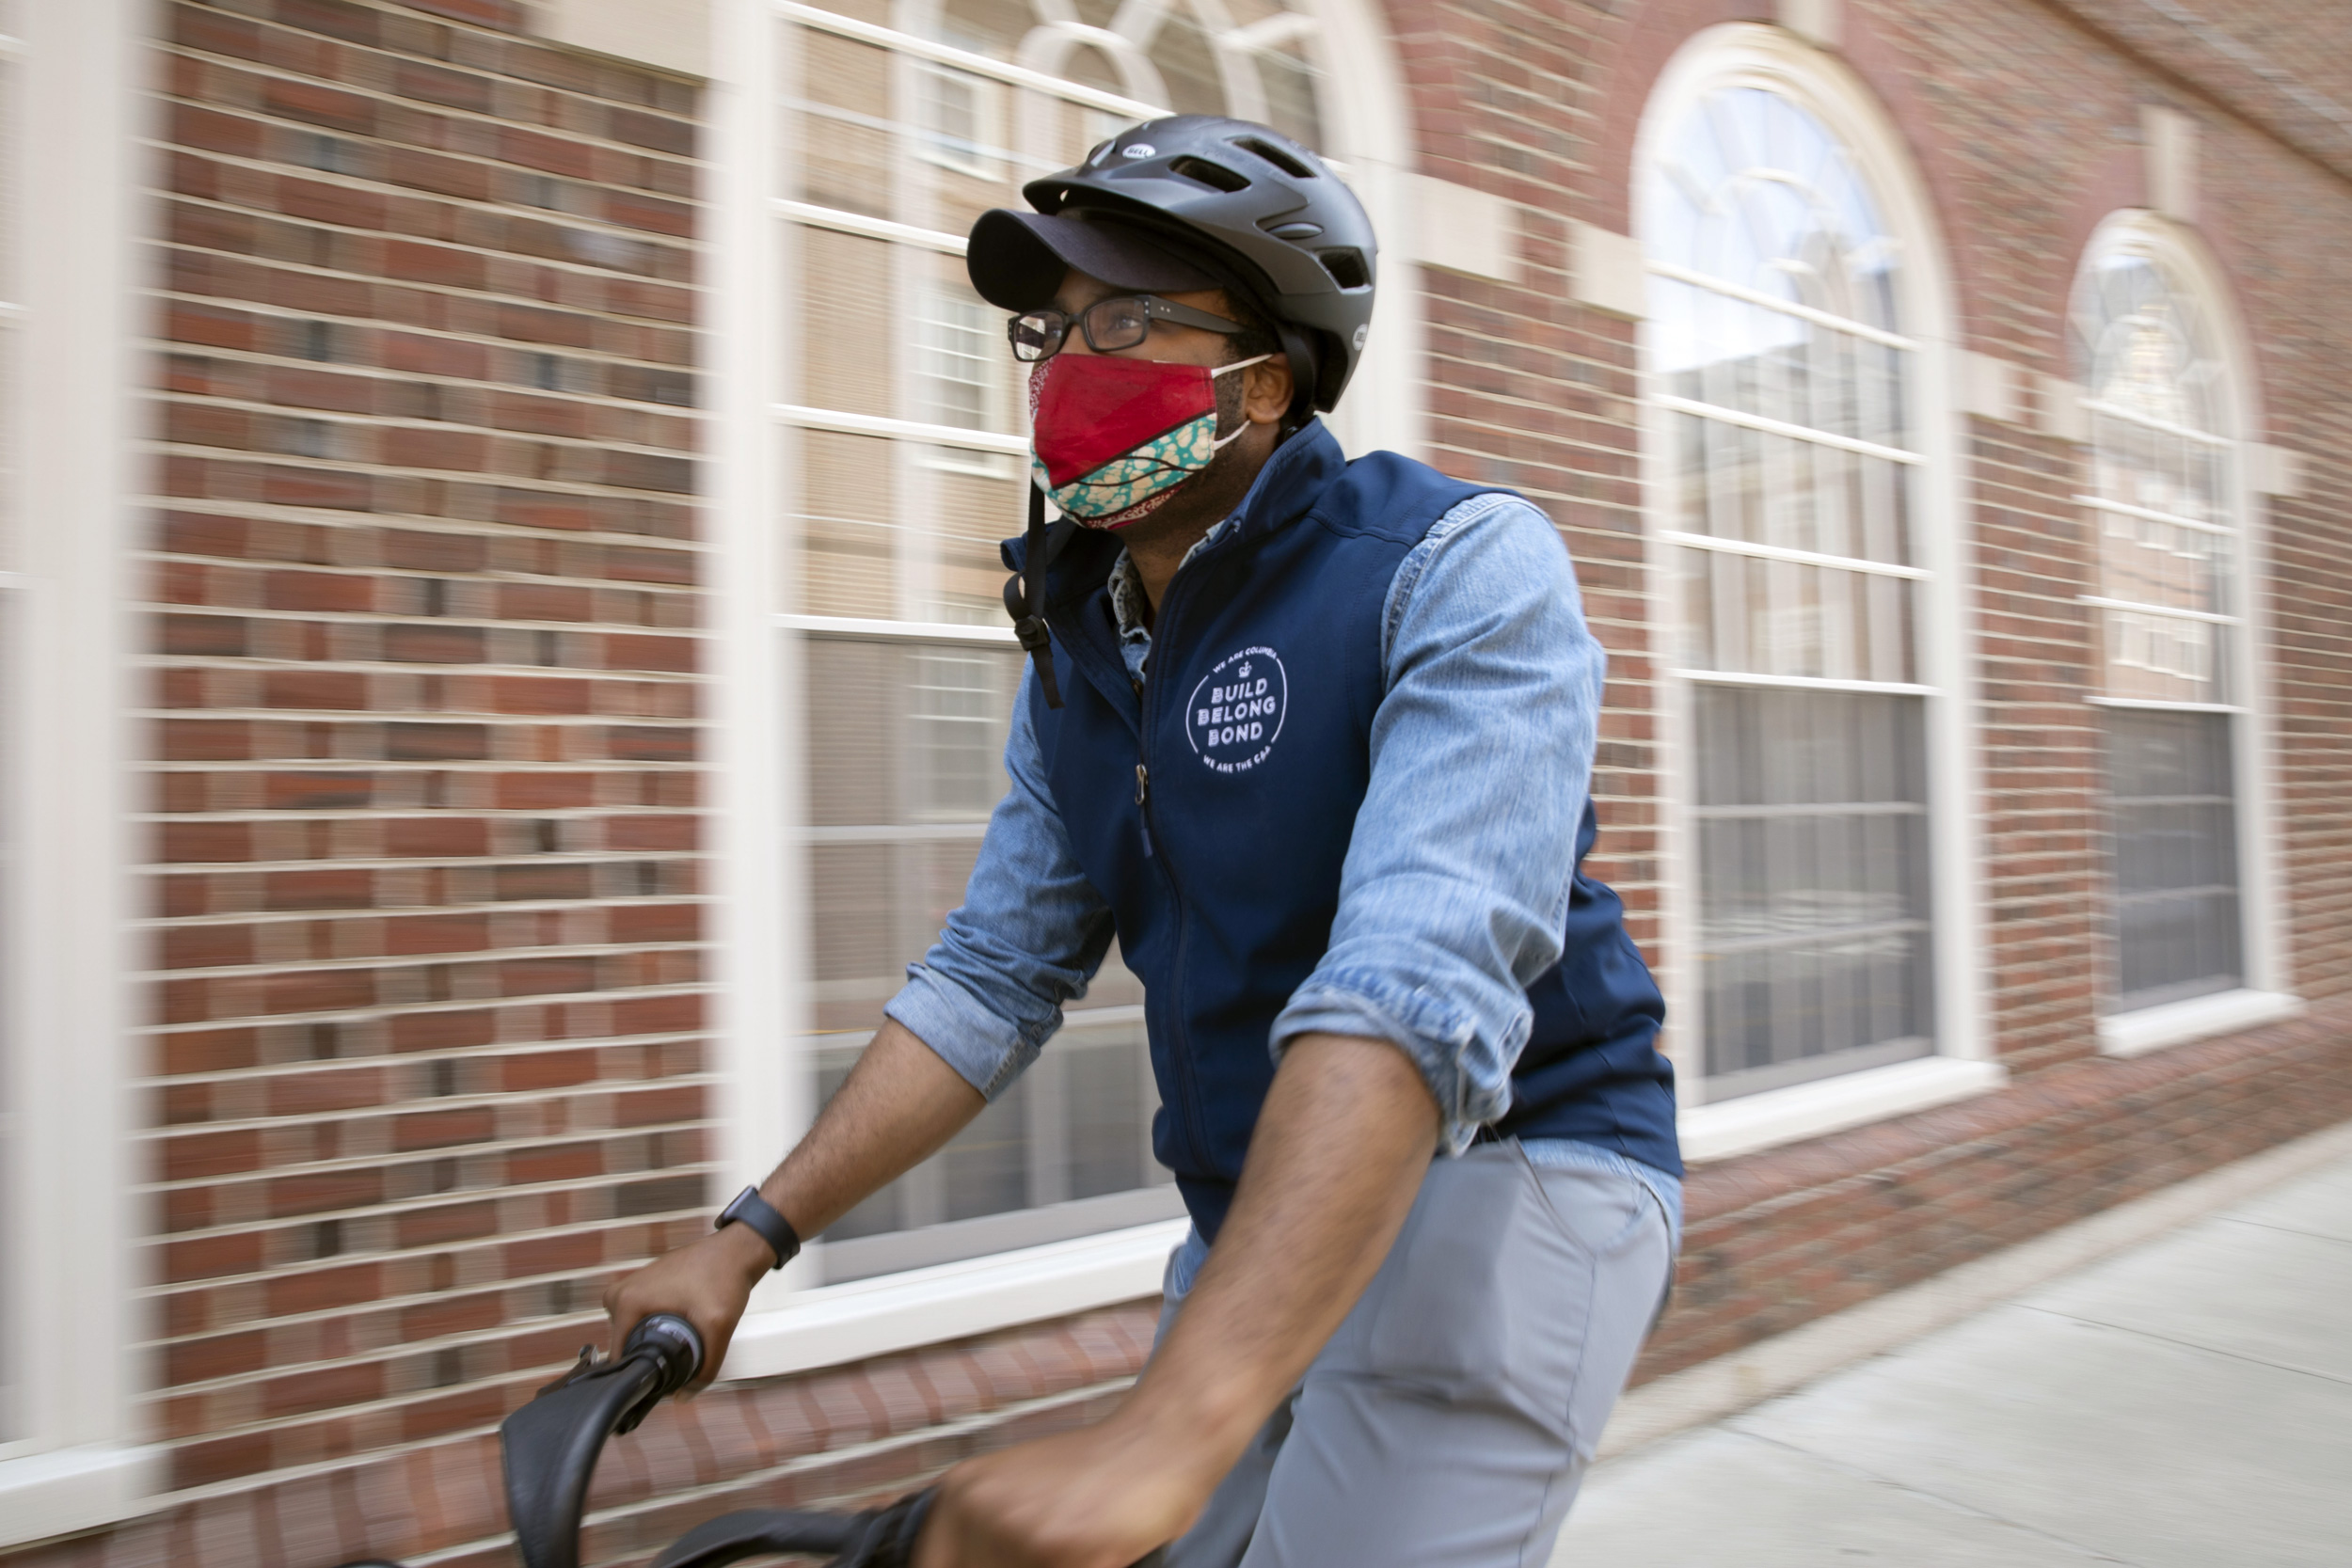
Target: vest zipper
[
  {"x": 1143, "y": 794},
  {"x": 1180, "y": 1056}
]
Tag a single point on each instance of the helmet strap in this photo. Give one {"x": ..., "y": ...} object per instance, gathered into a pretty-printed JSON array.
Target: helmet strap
[{"x": 1024, "y": 591}]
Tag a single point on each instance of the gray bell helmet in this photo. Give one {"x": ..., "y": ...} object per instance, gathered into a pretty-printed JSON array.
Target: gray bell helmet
[{"x": 1199, "y": 202}]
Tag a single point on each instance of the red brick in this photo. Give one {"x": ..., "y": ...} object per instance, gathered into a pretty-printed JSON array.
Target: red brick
[{"x": 316, "y": 104}]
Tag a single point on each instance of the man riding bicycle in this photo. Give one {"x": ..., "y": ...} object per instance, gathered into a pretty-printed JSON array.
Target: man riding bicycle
[{"x": 1312, "y": 739}]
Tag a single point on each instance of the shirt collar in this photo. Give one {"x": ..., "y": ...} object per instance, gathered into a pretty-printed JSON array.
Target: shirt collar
[{"x": 1128, "y": 602}]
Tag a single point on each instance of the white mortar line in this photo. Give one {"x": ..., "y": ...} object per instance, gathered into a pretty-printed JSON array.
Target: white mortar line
[{"x": 1732, "y": 1382}]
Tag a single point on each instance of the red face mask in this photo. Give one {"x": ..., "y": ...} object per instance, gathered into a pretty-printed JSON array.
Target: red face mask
[{"x": 1114, "y": 438}]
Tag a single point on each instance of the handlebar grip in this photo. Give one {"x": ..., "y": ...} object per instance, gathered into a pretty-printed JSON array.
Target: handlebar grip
[{"x": 677, "y": 1350}]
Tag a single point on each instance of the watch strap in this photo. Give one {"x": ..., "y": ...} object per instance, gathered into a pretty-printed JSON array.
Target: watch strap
[{"x": 757, "y": 1214}]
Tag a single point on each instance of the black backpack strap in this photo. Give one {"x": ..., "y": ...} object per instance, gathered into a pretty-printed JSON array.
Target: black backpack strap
[{"x": 1024, "y": 591}]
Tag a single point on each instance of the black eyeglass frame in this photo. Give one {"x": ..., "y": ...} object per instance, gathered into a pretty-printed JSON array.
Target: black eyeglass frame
[{"x": 1056, "y": 324}]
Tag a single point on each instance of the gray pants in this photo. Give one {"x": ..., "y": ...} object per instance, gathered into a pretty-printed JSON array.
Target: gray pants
[{"x": 1451, "y": 1418}]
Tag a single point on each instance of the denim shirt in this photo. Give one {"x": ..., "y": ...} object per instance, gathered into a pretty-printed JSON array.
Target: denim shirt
[{"x": 1486, "y": 598}]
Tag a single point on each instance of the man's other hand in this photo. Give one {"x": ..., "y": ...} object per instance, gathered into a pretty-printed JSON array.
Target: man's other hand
[{"x": 1103, "y": 1496}]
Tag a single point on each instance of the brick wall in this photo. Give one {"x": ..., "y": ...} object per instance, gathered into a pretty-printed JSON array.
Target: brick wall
[
  {"x": 850, "y": 1436},
  {"x": 426, "y": 737},
  {"x": 427, "y": 982}
]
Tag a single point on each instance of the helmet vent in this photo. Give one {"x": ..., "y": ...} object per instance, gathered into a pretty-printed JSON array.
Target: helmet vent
[
  {"x": 1215, "y": 176},
  {"x": 1280, "y": 157},
  {"x": 1346, "y": 268}
]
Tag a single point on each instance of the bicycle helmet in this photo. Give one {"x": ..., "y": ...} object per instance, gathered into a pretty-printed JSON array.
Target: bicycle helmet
[{"x": 1194, "y": 195}]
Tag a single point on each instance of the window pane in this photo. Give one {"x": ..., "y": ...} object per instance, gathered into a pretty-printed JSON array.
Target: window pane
[
  {"x": 1064, "y": 1151},
  {"x": 959, "y": 356},
  {"x": 2175, "y": 855},
  {"x": 906, "y": 742},
  {"x": 848, "y": 316},
  {"x": 1748, "y": 616},
  {"x": 852, "y": 554},
  {"x": 1813, "y": 866}
]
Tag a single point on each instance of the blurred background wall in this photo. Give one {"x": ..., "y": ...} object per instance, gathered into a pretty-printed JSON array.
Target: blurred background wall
[{"x": 504, "y": 670}]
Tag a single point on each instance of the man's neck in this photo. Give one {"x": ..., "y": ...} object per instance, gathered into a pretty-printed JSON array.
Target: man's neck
[{"x": 1157, "y": 557}]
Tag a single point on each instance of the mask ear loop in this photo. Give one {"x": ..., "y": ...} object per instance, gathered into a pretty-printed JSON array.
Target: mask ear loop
[
  {"x": 1219, "y": 443},
  {"x": 1024, "y": 591}
]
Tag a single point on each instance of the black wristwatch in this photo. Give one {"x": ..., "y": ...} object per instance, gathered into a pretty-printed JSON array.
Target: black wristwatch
[{"x": 757, "y": 1214}]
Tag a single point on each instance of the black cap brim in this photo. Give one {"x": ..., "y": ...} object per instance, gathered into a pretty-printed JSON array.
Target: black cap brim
[{"x": 1017, "y": 260}]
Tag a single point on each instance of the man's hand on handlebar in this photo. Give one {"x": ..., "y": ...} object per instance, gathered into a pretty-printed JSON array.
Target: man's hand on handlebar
[
  {"x": 901, "y": 1103},
  {"x": 707, "y": 1282}
]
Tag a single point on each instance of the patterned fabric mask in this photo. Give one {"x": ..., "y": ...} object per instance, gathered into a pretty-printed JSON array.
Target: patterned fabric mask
[{"x": 1114, "y": 438}]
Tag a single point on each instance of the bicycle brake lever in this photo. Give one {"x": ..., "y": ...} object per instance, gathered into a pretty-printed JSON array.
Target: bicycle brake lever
[{"x": 585, "y": 1367}]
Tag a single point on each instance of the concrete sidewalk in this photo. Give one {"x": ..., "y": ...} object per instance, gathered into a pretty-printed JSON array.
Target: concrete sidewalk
[{"x": 2186, "y": 1404}]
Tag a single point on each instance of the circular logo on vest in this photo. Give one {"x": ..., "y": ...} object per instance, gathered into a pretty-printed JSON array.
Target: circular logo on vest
[{"x": 1236, "y": 711}]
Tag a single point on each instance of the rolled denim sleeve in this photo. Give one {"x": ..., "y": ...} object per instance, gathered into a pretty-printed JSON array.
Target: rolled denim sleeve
[
  {"x": 1457, "y": 882},
  {"x": 1029, "y": 935}
]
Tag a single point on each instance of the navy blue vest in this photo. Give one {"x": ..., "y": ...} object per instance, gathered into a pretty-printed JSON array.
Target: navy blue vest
[{"x": 1212, "y": 810}]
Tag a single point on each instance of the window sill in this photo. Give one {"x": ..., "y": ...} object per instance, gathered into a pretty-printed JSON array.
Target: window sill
[
  {"x": 65, "y": 1490},
  {"x": 834, "y": 1324},
  {"x": 837, "y": 1323},
  {"x": 2200, "y": 1018},
  {"x": 1776, "y": 1117}
]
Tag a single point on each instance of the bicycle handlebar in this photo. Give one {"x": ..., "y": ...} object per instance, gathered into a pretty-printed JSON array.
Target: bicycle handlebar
[{"x": 549, "y": 1448}]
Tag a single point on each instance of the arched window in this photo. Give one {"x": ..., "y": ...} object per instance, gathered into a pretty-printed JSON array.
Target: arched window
[
  {"x": 1796, "y": 494},
  {"x": 903, "y": 421},
  {"x": 2166, "y": 423}
]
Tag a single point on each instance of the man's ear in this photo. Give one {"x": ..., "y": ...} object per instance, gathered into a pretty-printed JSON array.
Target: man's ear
[{"x": 1268, "y": 390}]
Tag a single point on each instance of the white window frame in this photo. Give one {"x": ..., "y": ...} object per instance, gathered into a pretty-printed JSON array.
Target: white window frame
[
  {"x": 2267, "y": 994},
  {"x": 69, "y": 1269},
  {"x": 987, "y": 113},
  {"x": 1771, "y": 57},
  {"x": 959, "y": 460},
  {"x": 759, "y": 909}
]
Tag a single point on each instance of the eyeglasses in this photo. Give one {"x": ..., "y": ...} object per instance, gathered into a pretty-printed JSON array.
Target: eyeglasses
[{"x": 1123, "y": 320}]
